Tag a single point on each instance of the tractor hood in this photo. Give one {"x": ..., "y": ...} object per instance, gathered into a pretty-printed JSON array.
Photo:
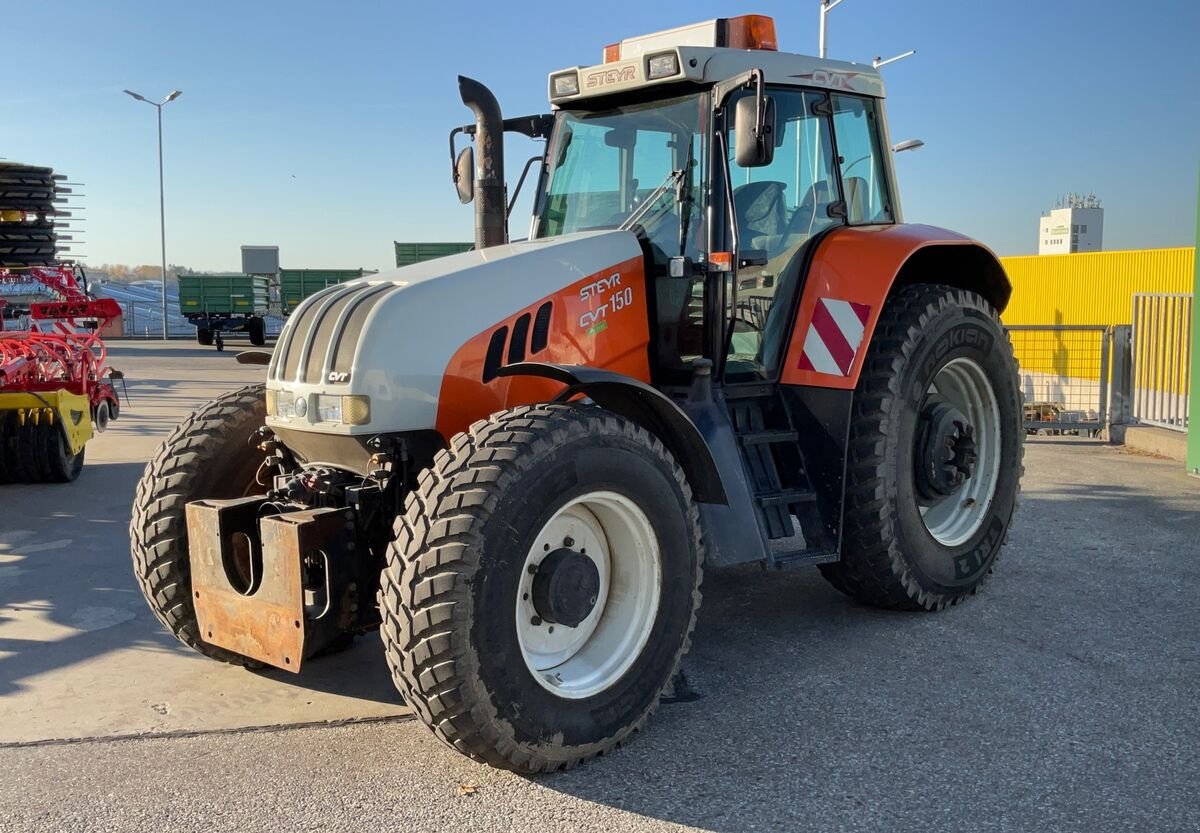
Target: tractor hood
[{"x": 393, "y": 337}]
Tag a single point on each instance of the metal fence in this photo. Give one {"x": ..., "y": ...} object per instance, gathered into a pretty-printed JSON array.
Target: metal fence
[
  {"x": 1161, "y": 350},
  {"x": 1064, "y": 376}
]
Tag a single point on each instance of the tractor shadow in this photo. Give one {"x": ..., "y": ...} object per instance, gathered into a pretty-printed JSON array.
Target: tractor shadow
[{"x": 818, "y": 713}]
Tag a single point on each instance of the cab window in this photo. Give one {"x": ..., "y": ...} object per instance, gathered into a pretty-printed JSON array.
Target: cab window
[{"x": 856, "y": 125}]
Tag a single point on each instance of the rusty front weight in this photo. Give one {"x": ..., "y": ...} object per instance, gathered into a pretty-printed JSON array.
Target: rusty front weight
[{"x": 249, "y": 577}]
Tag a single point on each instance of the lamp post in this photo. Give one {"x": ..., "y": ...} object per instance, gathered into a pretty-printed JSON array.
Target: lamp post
[
  {"x": 826, "y": 7},
  {"x": 882, "y": 62},
  {"x": 162, "y": 213}
]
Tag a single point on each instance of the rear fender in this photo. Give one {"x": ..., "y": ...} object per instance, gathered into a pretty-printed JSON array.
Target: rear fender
[
  {"x": 644, "y": 405},
  {"x": 852, "y": 273}
]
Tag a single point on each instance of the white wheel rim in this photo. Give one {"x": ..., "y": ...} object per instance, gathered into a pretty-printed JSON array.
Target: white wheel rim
[
  {"x": 616, "y": 535},
  {"x": 957, "y": 517}
]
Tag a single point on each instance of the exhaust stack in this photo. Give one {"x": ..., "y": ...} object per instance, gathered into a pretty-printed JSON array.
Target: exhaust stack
[{"x": 491, "y": 221}]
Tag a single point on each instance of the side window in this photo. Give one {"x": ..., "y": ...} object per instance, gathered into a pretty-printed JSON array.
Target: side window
[
  {"x": 780, "y": 208},
  {"x": 856, "y": 125}
]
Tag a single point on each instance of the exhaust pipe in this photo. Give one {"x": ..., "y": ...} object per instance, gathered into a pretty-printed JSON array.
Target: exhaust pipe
[{"x": 491, "y": 221}]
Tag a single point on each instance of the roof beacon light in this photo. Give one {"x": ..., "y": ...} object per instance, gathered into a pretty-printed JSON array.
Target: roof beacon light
[{"x": 750, "y": 31}]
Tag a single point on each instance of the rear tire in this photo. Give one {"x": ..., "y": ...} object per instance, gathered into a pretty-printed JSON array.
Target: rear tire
[
  {"x": 901, "y": 547},
  {"x": 208, "y": 456},
  {"x": 455, "y": 594},
  {"x": 204, "y": 337}
]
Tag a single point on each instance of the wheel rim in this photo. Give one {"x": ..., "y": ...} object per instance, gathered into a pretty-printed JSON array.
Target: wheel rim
[
  {"x": 615, "y": 535},
  {"x": 954, "y": 517}
]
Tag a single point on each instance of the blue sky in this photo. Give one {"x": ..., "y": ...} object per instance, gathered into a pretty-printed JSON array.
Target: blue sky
[{"x": 321, "y": 127}]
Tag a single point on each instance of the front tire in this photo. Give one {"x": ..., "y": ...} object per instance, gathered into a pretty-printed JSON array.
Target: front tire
[
  {"x": 934, "y": 457},
  {"x": 524, "y": 667},
  {"x": 208, "y": 456}
]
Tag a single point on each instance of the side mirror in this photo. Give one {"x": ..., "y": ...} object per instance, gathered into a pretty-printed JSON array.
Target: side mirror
[
  {"x": 754, "y": 130},
  {"x": 464, "y": 174}
]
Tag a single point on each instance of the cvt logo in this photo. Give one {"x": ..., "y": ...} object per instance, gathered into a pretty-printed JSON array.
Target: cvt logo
[{"x": 335, "y": 376}]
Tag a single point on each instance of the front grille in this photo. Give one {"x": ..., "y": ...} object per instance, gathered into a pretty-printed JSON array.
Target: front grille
[{"x": 324, "y": 332}]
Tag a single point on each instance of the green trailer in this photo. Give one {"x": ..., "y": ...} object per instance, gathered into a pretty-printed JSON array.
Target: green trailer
[
  {"x": 410, "y": 253},
  {"x": 297, "y": 284},
  {"x": 225, "y": 303}
]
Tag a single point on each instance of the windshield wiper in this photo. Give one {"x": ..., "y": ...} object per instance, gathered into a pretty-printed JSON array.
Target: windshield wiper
[
  {"x": 684, "y": 195},
  {"x": 673, "y": 179}
]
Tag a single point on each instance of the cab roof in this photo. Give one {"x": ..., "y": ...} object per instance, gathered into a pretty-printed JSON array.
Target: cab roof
[{"x": 705, "y": 54}]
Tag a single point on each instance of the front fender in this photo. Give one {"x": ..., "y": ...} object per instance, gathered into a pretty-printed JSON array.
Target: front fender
[{"x": 640, "y": 403}]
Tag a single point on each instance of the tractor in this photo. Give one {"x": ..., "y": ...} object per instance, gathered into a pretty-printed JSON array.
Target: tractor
[{"x": 720, "y": 344}]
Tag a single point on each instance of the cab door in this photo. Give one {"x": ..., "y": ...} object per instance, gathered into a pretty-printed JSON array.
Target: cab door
[{"x": 781, "y": 210}]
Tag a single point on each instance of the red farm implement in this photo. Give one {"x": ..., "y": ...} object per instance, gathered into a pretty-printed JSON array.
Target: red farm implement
[{"x": 55, "y": 385}]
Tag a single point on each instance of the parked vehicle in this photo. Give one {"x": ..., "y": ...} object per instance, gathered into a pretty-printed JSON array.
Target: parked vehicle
[
  {"x": 517, "y": 461},
  {"x": 297, "y": 284},
  {"x": 227, "y": 303}
]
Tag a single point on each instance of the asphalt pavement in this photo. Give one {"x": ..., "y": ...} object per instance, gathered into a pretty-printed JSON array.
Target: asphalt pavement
[{"x": 1061, "y": 698}]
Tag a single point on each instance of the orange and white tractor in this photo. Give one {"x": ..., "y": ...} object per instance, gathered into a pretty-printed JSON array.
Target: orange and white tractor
[{"x": 720, "y": 344}]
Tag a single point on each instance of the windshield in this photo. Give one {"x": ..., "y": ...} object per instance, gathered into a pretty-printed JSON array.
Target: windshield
[{"x": 604, "y": 167}]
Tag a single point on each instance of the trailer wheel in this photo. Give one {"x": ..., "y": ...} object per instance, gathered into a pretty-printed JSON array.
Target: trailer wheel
[
  {"x": 204, "y": 337},
  {"x": 256, "y": 328},
  {"x": 542, "y": 587},
  {"x": 208, "y": 456},
  {"x": 934, "y": 459}
]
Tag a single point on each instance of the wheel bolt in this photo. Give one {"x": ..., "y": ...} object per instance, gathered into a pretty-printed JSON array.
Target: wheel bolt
[
  {"x": 532, "y": 569},
  {"x": 535, "y": 621},
  {"x": 568, "y": 542}
]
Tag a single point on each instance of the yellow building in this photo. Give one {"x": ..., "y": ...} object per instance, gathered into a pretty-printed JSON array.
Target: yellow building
[
  {"x": 1096, "y": 289},
  {"x": 1092, "y": 288}
]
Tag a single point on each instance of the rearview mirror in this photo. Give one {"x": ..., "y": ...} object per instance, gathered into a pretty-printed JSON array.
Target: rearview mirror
[
  {"x": 754, "y": 130},
  {"x": 464, "y": 174}
]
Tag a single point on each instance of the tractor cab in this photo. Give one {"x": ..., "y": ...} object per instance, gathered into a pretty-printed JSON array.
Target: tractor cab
[{"x": 649, "y": 140}]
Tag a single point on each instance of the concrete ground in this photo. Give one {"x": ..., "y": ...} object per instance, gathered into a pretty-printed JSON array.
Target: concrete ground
[{"x": 1062, "y": 698}]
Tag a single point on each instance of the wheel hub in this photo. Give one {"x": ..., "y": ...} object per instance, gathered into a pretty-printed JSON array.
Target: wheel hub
[
  {"x": 565, "y": 587},
  {"x": 946, "y": 453}
]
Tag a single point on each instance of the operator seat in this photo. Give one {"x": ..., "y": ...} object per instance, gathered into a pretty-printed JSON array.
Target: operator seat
[{"x": 761, "y": 214}]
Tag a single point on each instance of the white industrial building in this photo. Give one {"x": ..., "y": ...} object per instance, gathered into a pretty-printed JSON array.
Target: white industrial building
[{"x": 1076, "y": 224}]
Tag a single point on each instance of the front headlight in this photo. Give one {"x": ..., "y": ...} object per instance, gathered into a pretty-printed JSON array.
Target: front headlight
[
  {"x": 329, "y": 408},
  {"x": 285, "y": 404},
  {"x": 348, "y": 410}
]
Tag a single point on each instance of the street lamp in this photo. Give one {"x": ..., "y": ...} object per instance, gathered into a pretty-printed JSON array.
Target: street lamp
[
  {"x": 882, "y": 62},
  {"x": 826, "y": 7},
  {"x": 162, "y": 214}
]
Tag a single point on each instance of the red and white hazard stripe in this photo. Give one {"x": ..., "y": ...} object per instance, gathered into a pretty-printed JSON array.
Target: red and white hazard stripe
[{"x": 834, "y": 336}]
